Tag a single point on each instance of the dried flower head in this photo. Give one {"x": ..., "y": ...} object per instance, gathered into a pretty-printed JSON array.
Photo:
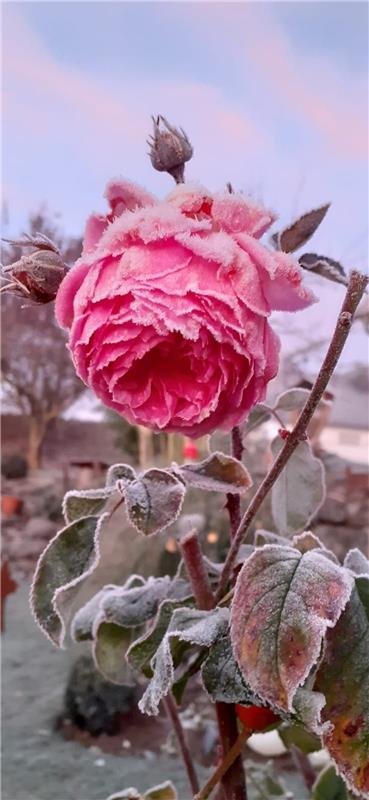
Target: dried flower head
[
  {"x": 36, "y": 275},
  {"x": 170, "y": 148}
]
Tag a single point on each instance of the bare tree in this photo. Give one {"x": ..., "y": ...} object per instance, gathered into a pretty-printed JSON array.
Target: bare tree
[{"x": 38, "y": 377}]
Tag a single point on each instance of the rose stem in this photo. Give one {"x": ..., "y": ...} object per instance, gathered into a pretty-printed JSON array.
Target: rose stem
[
  {"x": 222, "y": 768},
  {"x": 171, "y": 709},
  {"x": 233, "y": 504},
  {"x": 233, "y": 779},
  {"x": 355, "y": 290}
]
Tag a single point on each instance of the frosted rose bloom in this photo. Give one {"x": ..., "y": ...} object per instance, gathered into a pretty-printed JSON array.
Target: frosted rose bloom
[{"x": 168, "y": 307}]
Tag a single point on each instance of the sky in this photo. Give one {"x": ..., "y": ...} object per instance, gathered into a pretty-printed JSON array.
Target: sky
[{"x": 272, "y": 94}]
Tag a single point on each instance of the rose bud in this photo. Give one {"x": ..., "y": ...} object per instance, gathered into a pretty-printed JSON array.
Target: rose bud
[
  {"x": 36, "y": 275},
  {"x": 169, "y": 149}
]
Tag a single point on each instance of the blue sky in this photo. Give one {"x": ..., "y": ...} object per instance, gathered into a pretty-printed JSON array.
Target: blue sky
[{"x": 273, "y": 96}]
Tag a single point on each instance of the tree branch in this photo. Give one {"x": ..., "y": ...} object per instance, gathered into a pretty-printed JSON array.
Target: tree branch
[
  {"x": 233, "y": 504},
  {"x": 355, "y": 290}
]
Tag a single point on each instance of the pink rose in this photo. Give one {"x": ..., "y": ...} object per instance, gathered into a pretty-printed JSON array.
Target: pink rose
[{"x": 168, "y": 307}]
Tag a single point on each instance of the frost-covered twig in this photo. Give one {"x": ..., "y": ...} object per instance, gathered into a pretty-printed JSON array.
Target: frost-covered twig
[{"x": 355, "y": 290}]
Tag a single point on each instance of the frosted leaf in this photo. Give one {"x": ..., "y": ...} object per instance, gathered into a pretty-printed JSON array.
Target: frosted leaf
[
  {"x": 308, "y": 541},
  {"x": 299, "y": 491},
  {"x": 291, "y": 400},
  {"x": 83, "y": 621},
  {"x": 218, "y": 473},
  {"x": 284, "y": 602},
  {"x": 297, "y": 234},
  {"x": 262, "y": 537},
  {"x": 78, "y": 504},
  {"x": 154, "y": 500},
  {"x": 69, "y": 558},
  {"x": 222, "y": 676},
  {"x": 308, "y": 707},
  {"x": 243, "y": 553},
  {"x": 356, "y": 562},
  {"x": 343, "y": 678},
  {"x": 329, "y": 786},
  {"x": 111, "y": 643},
  {"x": 142, "y": 650},
  {"x": 257, "y": 416},
  {"x": 123, "y": 472},
  {"x": 201, "y": 628},
  {"x": 298, "y": 735},
  {"x": 324, "y": 266},
  {"x": 190, "y": 522},
  {"x": 134, "y": 606},
  {"x": 164, "y": 791}
]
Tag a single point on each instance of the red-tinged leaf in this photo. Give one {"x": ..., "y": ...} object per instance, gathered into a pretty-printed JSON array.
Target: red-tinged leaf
[
  {"x": 324, "y": 266},
  {"x": 283, "y": 604},
  {"x": 343, "y": 678},
  {"x": 218, "y": 473},
  {"x": 300, "y": 231}
]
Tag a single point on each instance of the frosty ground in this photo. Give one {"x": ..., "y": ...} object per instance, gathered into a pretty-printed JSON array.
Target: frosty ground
[{"x": 37, "y": 763}]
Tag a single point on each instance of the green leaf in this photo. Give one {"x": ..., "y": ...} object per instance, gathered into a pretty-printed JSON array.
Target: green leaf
[
  {"x": 142, "y": 651},
  {"x": 90, "y": 502},
  {"x": 200, "y": 628},
  {"x": 111, "y": 643},
  {"x": 308, "y": 541},
  {"x": 300, "y": 231},
  {"x": 292, "y": 400},
  {"x": 154, "y": 500},
  {"x": 329, "y": 786},
  {"x": 356, "y": 562},
  {"x": 69, "y": 558},
  {"x": 299, "y": 491},
  {"x": 83, "y": 621},
  {"x": 257, "y": 416},
  {"x": 343, "y": 678},
  {"x": 165, "y": 791},
  {"x": 268, "y": 537},
  {"x": 299, "y": 736},
  {"x": 120, "y": 472},
  {"x": 264, "y": 782},
  {"x": 132, "y": 607},
  {"x": 218, "y": 473},
  {"x": 222, "y": 676},
  {"x": 284, "y": 602}
]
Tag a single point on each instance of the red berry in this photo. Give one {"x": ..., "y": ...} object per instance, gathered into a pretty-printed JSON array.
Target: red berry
[{"x": 256, "y": 718}]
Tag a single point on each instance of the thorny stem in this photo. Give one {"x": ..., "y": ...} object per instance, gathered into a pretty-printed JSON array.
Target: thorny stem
[
  {"x": 172, "y": 712},
  {"x": 233, "y": 779},
  {"x": 355, "y": 290},
  {"x": 196, "y": 570},
  {"x": 223, "y": 767},
  {"x": 233, "y": 503}
]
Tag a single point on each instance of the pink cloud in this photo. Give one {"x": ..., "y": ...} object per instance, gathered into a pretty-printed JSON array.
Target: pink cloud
[{"x": 310, "y": 88}]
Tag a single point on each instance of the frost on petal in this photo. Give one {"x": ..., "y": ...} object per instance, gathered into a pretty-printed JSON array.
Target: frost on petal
[
  {"x": 343, "y": 678},
  {"x": 94, "y": 229},
  {"x": 283, "y": 604},
  {"x": 236, "y": 214},
  {"x": 123, "y": 195},
  {"x": 64, "y": 309}
]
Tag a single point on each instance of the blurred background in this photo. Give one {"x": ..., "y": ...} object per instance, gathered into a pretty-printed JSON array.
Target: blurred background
[{"x": 274, "y": 99}]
